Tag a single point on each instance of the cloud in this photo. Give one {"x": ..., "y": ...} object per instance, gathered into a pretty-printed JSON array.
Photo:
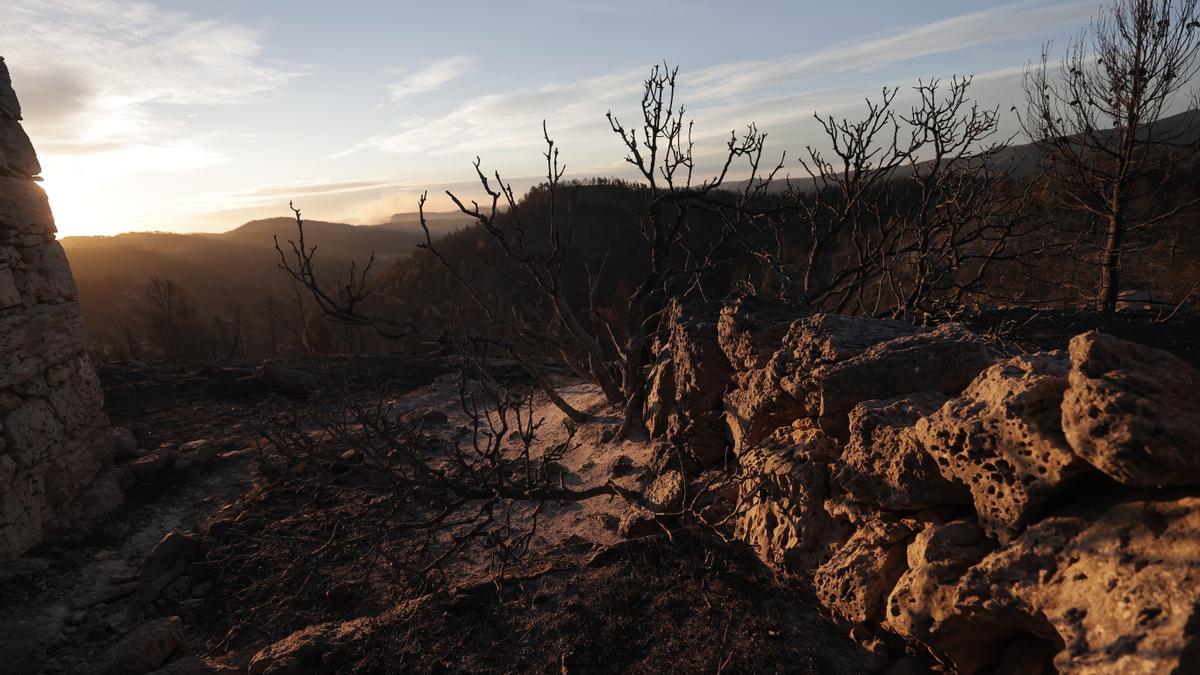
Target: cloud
[
  {"x": 718, "y": 96},
  {"x": 434, "y": 76},
  {"x": 95, "y": 77}
]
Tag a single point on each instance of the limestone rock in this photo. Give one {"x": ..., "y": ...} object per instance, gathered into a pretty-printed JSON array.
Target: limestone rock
[
  {"x": 666, "y": 493},
  {"x": 638, "y": 522},
  {"x": 24, "y": 209},
  {"x": 166, "y": 562},
  {"x": 1002, "y": 439},
  {"x": 945, "y": 360},
  {"x": 756, "y": 407},
  {"x": 9, "y": 106},
  {"x": 660, "y": 395},
  {"x": 782, "y": 496},
  {"x": 699, "y": 374},
  {"x": 826, "y": 339},
  {"x": 55, "y": 447},
  {"x": 750, "y": 330},
  {"x": 780, "y": 390},
  {"x": 1118, "y": 590},
  {"x": 1133, "y": 412},
  {"x": 856, "y": 580},
  {"x": 884, "y": 464},
  {"x": 145, "y": 648},
  {"x": 921, "y": 605},
  {"x": 17, "y": 157}
]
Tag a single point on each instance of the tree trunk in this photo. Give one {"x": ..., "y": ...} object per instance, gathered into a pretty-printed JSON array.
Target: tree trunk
[{"x": 1110, "y": 267}]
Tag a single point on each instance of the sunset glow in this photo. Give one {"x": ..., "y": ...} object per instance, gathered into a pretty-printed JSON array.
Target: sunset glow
[{"x": 181, "y": 117}]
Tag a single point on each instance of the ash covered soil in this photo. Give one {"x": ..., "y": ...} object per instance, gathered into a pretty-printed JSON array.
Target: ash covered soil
[{"x": 243, "y": 561}]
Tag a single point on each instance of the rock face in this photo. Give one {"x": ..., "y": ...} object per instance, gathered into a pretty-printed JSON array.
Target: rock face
[
  {"x": 687, "y": 385},
  {"x": 1133, "y": 412},
  {"x": 773, "y": 390},
  {"x": 944, "y": 360},
  {"x": 54, "y": 438},
  {"x": 921, "y": 606},
  {"x": 1003, "y": 440}
]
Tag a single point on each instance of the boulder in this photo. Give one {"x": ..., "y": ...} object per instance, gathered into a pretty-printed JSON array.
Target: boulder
[
  {"x": 17, "y": 156},
  {"x": 10, "y": 107},
  {"x": 638, "y": 522},
  {"x": 921, "y": 605},
  {"x": 944, "y": 360},
  {"x": 780, "y": 508},
  {"x": 166, "y": 562},
  {"x": 666, "y": 493},
  {"x": 779, "y": 390},
  {"x": 660, "y": 395},
  {"x": 1002, "y": 439},
  {"x": 143, "y": 649},
  {"x": 885, "y": 465},
  {"x": 1117, "y": 590},
  {"x": 701, "y": 374},
  {"x": 757, "y": 406},
  {"x": 854, "y": 583},
  {"x": 1133, "y": 412},
  {"x": 751, "y": 329}
]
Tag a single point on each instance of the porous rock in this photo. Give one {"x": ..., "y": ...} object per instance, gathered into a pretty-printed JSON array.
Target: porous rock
[
  {"x": 1117, "y": 589},
  {"x": 884, "y": 464},
  {"x": 689, "y": 381},
  {"x": 1133, "y": 412},
  {"x": 921, "y": 606},
  {"x": 855, "y": 581},
  {"x": 944, "y": 360},
  {"x": 1002, "y": 439},
  {"x": 784, "y": 485}
]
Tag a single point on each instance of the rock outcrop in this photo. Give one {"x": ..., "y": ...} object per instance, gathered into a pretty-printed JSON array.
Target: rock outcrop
[
  {"x": 1007, "y": 516},
  {"x": 55, "y": 445},
  {"x": 683, "y": 405}
]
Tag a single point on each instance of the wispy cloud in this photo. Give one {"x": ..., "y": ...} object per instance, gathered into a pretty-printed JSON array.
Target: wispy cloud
[
  {"x": 94, "y": 77},
  {"x": 778, "y": 90},
  {"x": 432, "y": 77}
]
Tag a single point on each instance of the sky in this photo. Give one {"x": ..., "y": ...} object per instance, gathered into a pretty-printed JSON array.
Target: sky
[{"x": 198, "y": 116}]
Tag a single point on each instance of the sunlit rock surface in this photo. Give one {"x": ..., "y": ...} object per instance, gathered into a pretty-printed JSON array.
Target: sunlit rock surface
[{"x": 54, "y": 439}]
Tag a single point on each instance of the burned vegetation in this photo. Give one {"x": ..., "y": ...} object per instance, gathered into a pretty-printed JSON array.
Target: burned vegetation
[{"x": 918, "y": 400}]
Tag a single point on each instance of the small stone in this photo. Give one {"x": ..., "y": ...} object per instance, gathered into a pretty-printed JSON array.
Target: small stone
[{"x": 144, "y": 649}]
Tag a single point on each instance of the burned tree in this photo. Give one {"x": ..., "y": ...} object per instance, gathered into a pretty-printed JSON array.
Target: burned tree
[
  {"x": 903, "y": 215},
  {"x": 614, "y": 355},
  {"x": 1099, "y": 120}
]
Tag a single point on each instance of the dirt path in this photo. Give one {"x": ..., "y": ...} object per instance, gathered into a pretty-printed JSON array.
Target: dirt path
[{"x": 691, "y": 603}]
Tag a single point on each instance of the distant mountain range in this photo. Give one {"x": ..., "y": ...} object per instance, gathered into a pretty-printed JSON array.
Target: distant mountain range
[{"x": 220, "y": 270}]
